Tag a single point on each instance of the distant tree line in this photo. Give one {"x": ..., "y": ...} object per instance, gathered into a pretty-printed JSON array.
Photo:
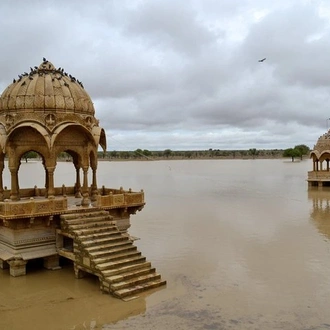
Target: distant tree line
[
  {"x": 144, "y": 154},
  {"x": 298, "y": 151}
]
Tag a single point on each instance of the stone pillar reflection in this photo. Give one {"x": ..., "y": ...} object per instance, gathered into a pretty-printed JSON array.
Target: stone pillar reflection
[{"x": 85, "y": 200}]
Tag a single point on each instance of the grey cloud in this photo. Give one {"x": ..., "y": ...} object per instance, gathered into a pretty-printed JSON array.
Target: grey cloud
[
  {"x": 166, "y": 75},
  {"x": 171, "y": 25}
]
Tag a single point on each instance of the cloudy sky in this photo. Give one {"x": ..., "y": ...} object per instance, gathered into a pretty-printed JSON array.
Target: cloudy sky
[{"x": 184, "y": 74}]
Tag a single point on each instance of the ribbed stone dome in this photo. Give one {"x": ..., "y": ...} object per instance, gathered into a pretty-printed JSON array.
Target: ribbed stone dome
[
  {"x": 46, "y": 88},
  {"x": 323, "y": 143}
]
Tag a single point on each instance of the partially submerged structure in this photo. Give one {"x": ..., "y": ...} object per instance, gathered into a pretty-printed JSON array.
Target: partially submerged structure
[
  {"x": 49, "y": 112},
  {"x": 320, "y": 175}
]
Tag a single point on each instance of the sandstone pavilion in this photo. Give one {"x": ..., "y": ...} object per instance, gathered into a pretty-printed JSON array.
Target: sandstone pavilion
[
  {"x": 48, "y": 111},
  {"x": 320, "y": 175}
]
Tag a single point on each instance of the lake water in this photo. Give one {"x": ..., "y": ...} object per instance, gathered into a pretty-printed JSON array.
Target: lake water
[{"x": 242, "y": 244}]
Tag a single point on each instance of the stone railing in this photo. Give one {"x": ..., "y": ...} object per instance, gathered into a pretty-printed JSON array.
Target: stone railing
[
  {"x": 318, "y": 175},
  {"x": 114, "y": 198},
  {"x": 33, "y": 203},
  {"x": 32, "y": 207}
]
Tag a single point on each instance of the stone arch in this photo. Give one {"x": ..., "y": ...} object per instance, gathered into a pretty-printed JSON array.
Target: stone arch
[
  {"x": 77, "y": 163},
  {"x": 78, "y": 141},
  {"x": 99, "y": 137},
  {"x": 324, "y": 157},
  {"x": 24, "y": 138}
]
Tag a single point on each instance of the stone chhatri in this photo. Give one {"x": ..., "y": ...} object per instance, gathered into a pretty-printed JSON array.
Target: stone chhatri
[
  {"x": 49, "y": 112},
  {"x": 320, "y": 175}
]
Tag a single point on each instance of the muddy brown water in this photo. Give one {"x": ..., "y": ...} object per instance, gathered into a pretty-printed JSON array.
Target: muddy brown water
[{"x": 242, "y": 244}]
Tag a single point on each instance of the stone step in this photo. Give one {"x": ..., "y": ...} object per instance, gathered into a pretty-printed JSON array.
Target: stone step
[
  {"x": 77, "y": 221},
  {"x": 109, "y": 246},
  {"x": 120, "y": 263},
  {"x": 86, "y": 231},
  {"x": 115, "y": 257},
  {"x": 87, "y": 225},
  {"x": 128, "y": 275},
  {"x": 126, "y": 269},
  {"x": 106, "y": 240},
  {"x": 135, "y": 281},
  {"x": 109, "y": 252},
  {"x": 99, "y": 235},
  {"x": 122, "y": 293},
  {"x": 82, "y": 215}
]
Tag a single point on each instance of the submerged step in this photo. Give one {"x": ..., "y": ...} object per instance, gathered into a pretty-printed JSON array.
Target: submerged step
[
  {"x": 122, "y": 293},
  {"x": 132, "y": 282},
  {"x": 109, "y": 254},
  {"x": 126, "y": 276}
]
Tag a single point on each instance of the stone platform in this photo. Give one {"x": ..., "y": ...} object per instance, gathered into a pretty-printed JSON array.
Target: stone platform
[{"x": 94, "y": 237}]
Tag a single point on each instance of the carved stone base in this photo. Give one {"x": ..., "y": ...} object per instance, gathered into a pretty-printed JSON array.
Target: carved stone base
[
  {"x": 17, "y": 267},
  {"x": 52, "y": 262}
]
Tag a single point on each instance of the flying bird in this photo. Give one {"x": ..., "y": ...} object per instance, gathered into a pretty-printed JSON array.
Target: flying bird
[{"x": 262, "y": 60}]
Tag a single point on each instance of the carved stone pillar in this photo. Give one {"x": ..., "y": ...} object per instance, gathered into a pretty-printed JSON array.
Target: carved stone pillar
[
  {"x": 85, "y": 200},
  {"x": 94, "y": 187},
  {"x": 1, "y": 180},
  {"x": 51, "y": 189},
  {"x": 46, "y": 182},
  {"x": 14, "y": 192},
  {"x": 17, "y": 267},
  {"x": 78, "y": 184}
]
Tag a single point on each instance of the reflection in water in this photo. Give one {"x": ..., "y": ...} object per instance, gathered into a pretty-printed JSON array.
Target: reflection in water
[
  {"x": 321, "y": 209},
  {"x": 56, "y": 300}
]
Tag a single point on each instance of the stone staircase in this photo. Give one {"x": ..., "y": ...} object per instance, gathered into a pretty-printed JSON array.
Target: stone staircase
[{"x": 101, "y": 249}]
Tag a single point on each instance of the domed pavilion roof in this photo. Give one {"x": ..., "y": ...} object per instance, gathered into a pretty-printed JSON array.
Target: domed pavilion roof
[
  {"x": 46, "y": 88},
  {"x": 323, "y": 143}
]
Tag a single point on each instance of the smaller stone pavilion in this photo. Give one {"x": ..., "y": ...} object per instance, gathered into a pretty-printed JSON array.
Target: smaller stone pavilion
[
  {"x": 48, "y": 111},
  {"x": 320, "y": 175}
]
